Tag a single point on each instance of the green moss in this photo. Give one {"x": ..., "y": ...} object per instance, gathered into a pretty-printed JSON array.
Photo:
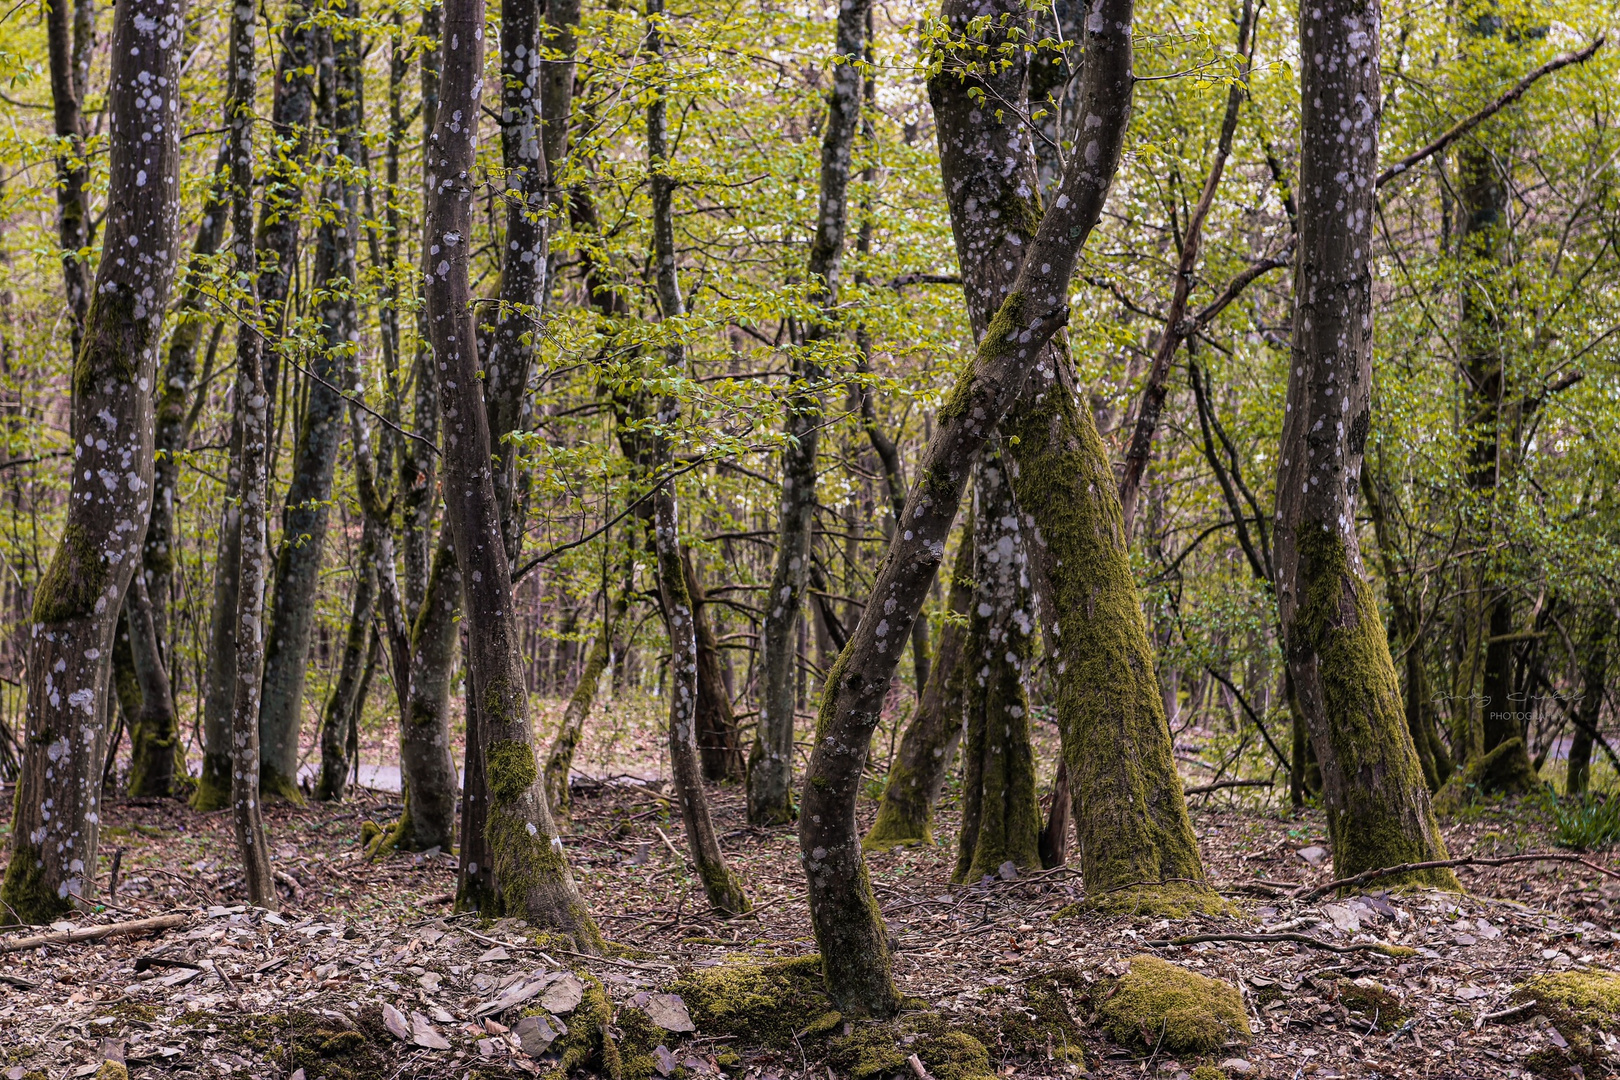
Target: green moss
[
  {"x": 1375, "y": 1008},
  {"x": 214, "y": 785},
  {"x": 1038, "y": 1022},
  {"x": 509, "y": 770},
  {"x": 1506, "y": 770},
  {"x": 1157, "y": 1005},
  {"x": 589, "y": 1040},
  {"x": 766, "y": 1003},
  {"x": 880, "y": 1049},
  {"x": 273, "y": 784},
  {"x": 27, "y": 895},
  {"x": 1593, "y": 996},
  {"x": 112, "y": 1070},
  {"x": 1171, "y": 900},
  {"x": 323, "y": 1046},
  {"x": 75, "y": 580},
  {"x": 637, "y": 1036},
  {"x": 1338, "y": 630},
  {"x": 1208, "y": 1072}
]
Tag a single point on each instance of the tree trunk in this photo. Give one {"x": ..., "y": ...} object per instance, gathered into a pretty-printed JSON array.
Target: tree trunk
[
  {"x": 275, "y": 252},
  {"x": 770, "y": 762},
  {"x": 718, "y": 743},
  {"x": 253, "y": 421},
  {"x": 723, "y": 888},
  {"x": 340, "y": 704},
  {"x": 304, "y": 517},
  {"x": 1594, "y": 684},
  {"x": 853, "y": 941},
  {"x": 1000, "y": 818},
  {"x": 1138, "y": 849},
  {"x": 154, "y": 737},
  {"x": 525, "y": 852},
  {"x": 73, "y": 228},
  {"x": 560, "y": 760},
  {"x": 55, "y": 828},
  {"x": 906, "y": 814},
  {"x": 1377, "y": 804}
]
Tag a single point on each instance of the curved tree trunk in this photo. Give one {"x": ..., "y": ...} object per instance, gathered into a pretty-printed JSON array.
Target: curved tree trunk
[
  {"x": 55, "y": 828},
  {"x": 1377, "y": 804},
  {"x": 340, "y": 704},
  {"x": 770, "y": 762},
  {"x": 718, "y": 744},
  {"x": 560, "y": 759},
  {"x": 1138, "y": 849},
  {"x": 525, "y": 851},
  {"x": 906, "y": 814},
  {"x": 304, "y": 517},
  {"x": 1000, "y": 818},
  {"x": 853, "y": 942}
]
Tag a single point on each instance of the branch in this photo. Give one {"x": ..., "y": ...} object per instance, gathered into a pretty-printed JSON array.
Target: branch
[
  {"x": 95, "y": 933},
  {"x": 1463, "y": 127},
  {"x": 1219, "y": 784},
  {"x": 1303, "y": 939},
  {"x": 1439, "y": 864}
]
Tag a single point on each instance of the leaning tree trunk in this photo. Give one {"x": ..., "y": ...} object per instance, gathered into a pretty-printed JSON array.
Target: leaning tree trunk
[
  {"x": 770, "y": 764},
  {"x": 853, "y": 941},
  {"x": 560, "y": 759},
  {"x": 906, "y": 814},
  {"x": 55, "y": 827},
  {"x": 1000, "y": 818},
  {"x": 723, "y": 888},
  {"x": 718, "y": 745},
  {"x": 275, "y": 251},
  {"x": 526, "y": 854},
  {"x": 1138, "y": 849},
  {"x": 1378, "y": 810},
  {"x": 304, "y": 517}
]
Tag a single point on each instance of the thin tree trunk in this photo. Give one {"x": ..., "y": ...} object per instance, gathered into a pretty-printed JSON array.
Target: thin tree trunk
[
  {"x": 1138, "y": 849},
  {"x": 1378, "y": 810},
  {"x": 154, "y": 736},
  {"x": 1176, "y": 327},
  {"x": 1000, "y": 818},
  {"x": 560, "y": 759},
  {"x": 340, "y": 704},
  {"x": 718, "y": 743},
  {"x": 724, "y": 889},
  {"x": 906, "y": 814},
  {"x": 252, "y": 419},
  {"x": 770, "y": 762},
  {"x": 525, "y": 851},
  {"x": 55, "y": 828},
  {"x": 73, "y": 230},
  {"x": 304, "y": 516},
  {"x": 1594, "y": 684},
  {"x": 853, "y": 942}
]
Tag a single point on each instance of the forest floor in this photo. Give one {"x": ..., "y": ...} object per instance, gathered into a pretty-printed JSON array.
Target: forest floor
[{"x": 307, "y": 993}]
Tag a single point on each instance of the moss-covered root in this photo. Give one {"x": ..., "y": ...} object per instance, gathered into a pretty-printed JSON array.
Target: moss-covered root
[
  {"x": 1506, "y": 770},
  {"x": 1157, "y": 1005},
  {"x": 214, "y": 785},
  {"x": 1378, "y": 808},
  {"x": 1129, "y": 811},
  {"x": 589, "y": 1041}
]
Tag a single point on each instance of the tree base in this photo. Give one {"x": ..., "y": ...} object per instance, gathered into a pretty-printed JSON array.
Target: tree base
[
  {"x": 274, "y": 785},
  {"x": 1507, "y": 770},
  {"x": 28, "y": 900},
  {"x": 213, "y": 786},
  {"x": 1171, "y": 900},
  {"x": 892, "y": 830}
]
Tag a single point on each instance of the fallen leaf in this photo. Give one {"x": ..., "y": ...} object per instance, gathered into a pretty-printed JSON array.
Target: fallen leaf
[
  {"x": 423, "y": 1033},
  {"x": 395, "y": 1022},
  {"x": 497, "y": 953},
  {"x": 563, "y": 995},
  {"x": 668, "y": 1011}
]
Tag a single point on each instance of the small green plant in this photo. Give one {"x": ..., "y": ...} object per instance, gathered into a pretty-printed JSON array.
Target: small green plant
[{"x": 1592, "y": 821}]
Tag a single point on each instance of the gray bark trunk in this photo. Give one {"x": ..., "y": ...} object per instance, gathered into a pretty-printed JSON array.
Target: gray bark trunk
[
  {"x": 55, "y": 826},
  {"x": 1377, "y": 804},
  {"x": 853, "y": 942},
  {"x": 340, "y": 704}
]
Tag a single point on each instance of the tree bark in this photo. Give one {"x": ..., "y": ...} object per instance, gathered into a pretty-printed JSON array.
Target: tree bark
[
  {"x": 770, "y": 764},
  {"x": 55, "y": 827},
  {"x": 154, "y": 736},
  {"x": 1378, "y": 809},
  {"x": 304, "y": 516},
  {"x": 525, "y": 851},
  {"x": 560, "y": 760},
  {"x": 340, "y": 704},
  {"x": 1594, "y": 684},
  {"x": 1138, "y": 850},
  {"x": 853, "y": 942},
  {"x": 718, "y": 744},
  {"x": 73, "y": 230},
  {"x": 906, "y": 814},
  {"x": 1000, "y": 818}
]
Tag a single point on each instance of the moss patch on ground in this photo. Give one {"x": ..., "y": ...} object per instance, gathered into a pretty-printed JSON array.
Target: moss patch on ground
[
  {"x": 330, "y": 1047},
  {"x": 1372, "y": 1005},
  {"x": 1592, "y": 996},
  {"x": 764, "y": 1002},
  {"x": 1159, "y": 1005},
  {"x": 1170, "y": 900},
  {"x": 872, "y": 1050}
]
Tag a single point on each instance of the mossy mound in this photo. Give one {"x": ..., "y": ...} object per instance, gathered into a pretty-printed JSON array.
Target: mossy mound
[
  {"x": 1208, "y": 1072},
  {"x": 1371, "y": 1004},
  {"x": 1159, "y": 1005},
  {"x": 1592, "y": 996},
  {"x": 764, "y": 1002},
  {"x": 1507, "y": 770},
  {"x": 1038, "y": 1023},
  {"x": 1170, "y": 900},
  {"x": 330, "y": 1047},
  {"x": 112, "y": 1070},
  {"x": 876, "y": 1050}
]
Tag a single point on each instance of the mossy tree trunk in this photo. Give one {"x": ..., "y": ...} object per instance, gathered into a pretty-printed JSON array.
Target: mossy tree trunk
[
  {"x": 308, "y": 506},
  {"x": 723, "y": 888},
  {"x": 849, "y": 928},
  {"x": 1129, "y": 812},
  {"x": 276, "y": 248},
  {"x": 525, "y": 851},
  {"x": 341, "y": 703},
  {"x": 55, "y": 823},
  {"x": 560, "y": 759},
  {"x": 719, "y": 746},
  {"x": 770, "y": 764},
  {"x": 154, "y": 736},
  {"x": 1000, "y": 818},
  {"x": 906, "y": 814},
  {"x": 1588, "y": 711},
  {"x": 1377, "y": 803},
  {"x": 65, "y": 43}
]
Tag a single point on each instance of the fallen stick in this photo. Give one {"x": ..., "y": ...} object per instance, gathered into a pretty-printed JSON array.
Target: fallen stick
[
  {"x": 1468, "y": 860},
  {"x": 95, "y": 933},
  {"x": 1303, "y": 939},
  {"x": 1221, "y": 784}
]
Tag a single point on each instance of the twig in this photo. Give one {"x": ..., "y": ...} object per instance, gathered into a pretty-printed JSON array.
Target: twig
[
  {"x": 1491, "y": 1018},
  {"x": 1219, "y": 784},
  {"x": 1463, "y": 127},
  {"x": 95, "y": 933},
  {"x": 1440, "y": 864},
  {"x": 1303, "y": 939}
]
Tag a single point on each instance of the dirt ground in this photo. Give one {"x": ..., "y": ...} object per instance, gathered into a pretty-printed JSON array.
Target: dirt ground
[{"x": 306, "y": 993}]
